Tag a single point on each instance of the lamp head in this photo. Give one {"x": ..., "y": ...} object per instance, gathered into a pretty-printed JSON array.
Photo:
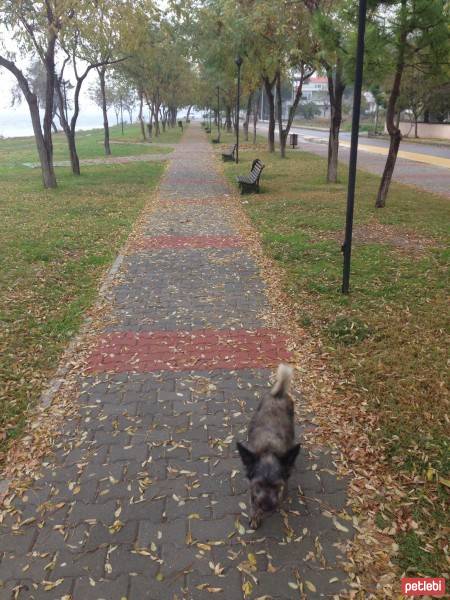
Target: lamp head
[{"x": 238, "y": 60}]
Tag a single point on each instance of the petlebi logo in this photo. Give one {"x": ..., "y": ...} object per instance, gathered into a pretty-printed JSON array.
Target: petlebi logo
[{"x": 423, "y": 586}]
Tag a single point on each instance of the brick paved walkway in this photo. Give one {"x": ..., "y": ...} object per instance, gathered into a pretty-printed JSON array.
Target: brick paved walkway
[{"x": 145, "y": 498}]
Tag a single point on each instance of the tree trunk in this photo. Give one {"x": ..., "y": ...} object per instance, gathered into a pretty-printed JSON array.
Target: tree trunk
[
  {"x": 156, "y": 120},
  {"x": 268, "y": 85},
  {"x": 74, "y": 160},
  {"x": 188, "y": 113},
  {"x": 336, "y": 87},
  {"x": 393, "y": 129},
  {"x": 255, "y": 116},
  {"x": 247, "y": 116},
  {"x": 70, "y": 129},
  {"x": 284, "y": 133},
  {"x": 55, "y": 129},
  {"x": 228, "y": 118},
  {"x": 386, "y": 178},
  {"x": 49, "y": 60},
  {"x": 141, "y": 119},
  {"x": 416, "y": 129},
  {"x": 48, "y": 174},
  {"x": 70, "y": 137},
  {"x": 279, "y": 105},
  {"x": 106, "y": 144}
]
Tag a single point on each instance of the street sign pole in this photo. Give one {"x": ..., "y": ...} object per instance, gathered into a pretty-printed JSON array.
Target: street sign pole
[{"x": 347, "y": 245}]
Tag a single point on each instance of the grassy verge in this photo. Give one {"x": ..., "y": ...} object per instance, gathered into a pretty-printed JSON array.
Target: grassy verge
[
  {"x": 55, "y": 246},
  {"x": 15, "y": 151},
  {"x": 388, "y": 340}
]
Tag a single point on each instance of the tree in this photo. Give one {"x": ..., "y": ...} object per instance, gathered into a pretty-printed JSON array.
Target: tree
[
  {"x": 100, "y": 40},
  {"x": 331, "y": 25},
  {"x": 69, "y": 126},
  {"x": 298, "y": 60},
  {"x": 416, "y": 35},
  {"x": 36, "y": 27},
  {"x": 37, "y": 76},
  {"x": 309, "y": 110}
]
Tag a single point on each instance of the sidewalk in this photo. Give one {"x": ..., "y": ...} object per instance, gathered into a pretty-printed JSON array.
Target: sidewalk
[
  {"x": 145, "y": 499},
  {"x": 418, "y": 169}
]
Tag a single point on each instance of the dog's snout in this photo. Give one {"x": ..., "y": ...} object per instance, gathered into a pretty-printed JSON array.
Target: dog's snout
[{"x": 269, "y": 504}]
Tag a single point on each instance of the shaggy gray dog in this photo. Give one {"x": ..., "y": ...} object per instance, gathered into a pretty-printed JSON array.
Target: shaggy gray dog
[{"x": 271, "y": 452}]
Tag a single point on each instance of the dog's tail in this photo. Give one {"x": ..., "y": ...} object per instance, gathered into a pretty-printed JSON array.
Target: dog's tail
[{"x": 283, "y": 381}]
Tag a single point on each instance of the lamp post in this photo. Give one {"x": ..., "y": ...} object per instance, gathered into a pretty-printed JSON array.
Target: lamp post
[
  {"x": 218, "y": 113},
  {"x": 347, "y": 245},
  {"x": 210, "y": 119},
  {"x": 238, "y": 62}
]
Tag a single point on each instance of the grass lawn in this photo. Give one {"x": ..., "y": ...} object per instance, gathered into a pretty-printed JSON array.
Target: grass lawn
[
  {"x": 388, "y": 340},
  {"x": 55, "y": 246},
  {"x": 15, "y": 151}
]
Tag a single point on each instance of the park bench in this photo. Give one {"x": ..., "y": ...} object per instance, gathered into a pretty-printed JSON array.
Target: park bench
[
  {"x": 230, "y": 155},
  {"x": 250, "y": 183}
]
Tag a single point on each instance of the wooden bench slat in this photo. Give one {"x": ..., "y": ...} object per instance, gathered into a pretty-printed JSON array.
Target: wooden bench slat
[
  {"x": 230, "y": 155},
  {"x": 250, "y": 183}
]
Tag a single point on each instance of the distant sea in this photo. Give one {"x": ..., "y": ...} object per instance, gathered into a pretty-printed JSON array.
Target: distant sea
[{"x": 16, "y": 122}]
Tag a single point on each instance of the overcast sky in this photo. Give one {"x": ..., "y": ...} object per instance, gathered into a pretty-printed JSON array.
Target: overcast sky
[{"x": 16, "y": 120}]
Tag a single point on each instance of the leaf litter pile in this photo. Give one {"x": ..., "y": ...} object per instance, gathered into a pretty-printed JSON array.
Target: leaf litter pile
[
  {"x": 370, "y": 566},
  {"x": 34, "y": 452},
  {"x": 392, "y": 506}
]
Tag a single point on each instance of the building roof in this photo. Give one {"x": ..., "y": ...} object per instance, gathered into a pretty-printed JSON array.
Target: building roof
[{"x": 317, "y": 79}]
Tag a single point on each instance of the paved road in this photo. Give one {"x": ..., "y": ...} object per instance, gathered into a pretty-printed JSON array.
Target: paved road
[
  {"x": 421, "y": 165},
  {"x": 421, "y": 148},
  {"x": 145, "y": 496}
]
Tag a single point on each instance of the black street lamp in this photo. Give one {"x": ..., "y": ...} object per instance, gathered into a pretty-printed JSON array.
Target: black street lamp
[
  {"x": 238, "y": 62},
  {"x": 218, "y": 113},
  {"x": 347, "y": 245}
]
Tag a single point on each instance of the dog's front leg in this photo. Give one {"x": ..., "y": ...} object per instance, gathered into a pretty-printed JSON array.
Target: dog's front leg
[
  {"x": 285, "y": 492},
  {"x": 255, "y": 515},
  {"x": 255, "y": 519}
]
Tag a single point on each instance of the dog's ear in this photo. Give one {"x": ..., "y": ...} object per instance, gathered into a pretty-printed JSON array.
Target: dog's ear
[
  {"x": 247, "y": 456},
  {"x": 289, "y": 457}
]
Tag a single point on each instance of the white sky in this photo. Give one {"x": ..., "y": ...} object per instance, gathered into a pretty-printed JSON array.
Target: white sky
[{"x": 16, "y": 120}]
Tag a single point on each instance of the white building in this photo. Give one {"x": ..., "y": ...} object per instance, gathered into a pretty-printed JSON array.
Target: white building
[{"x": 315, "y": 89}]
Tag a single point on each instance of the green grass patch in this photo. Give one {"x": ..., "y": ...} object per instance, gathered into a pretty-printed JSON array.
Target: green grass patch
[
  {"x": 56, "y": 244},
  {"x": 16, "y": 151},
  {"x": 389, "y": 338}
]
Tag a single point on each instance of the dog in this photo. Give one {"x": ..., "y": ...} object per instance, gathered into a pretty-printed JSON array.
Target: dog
[{"x": 270, "y": 454}]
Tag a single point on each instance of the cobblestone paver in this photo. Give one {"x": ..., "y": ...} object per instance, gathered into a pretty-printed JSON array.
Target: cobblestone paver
[{"x": 144, "y": 497}]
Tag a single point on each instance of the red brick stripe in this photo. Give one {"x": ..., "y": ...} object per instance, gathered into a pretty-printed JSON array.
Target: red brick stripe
[
  {"x": 197, "y": 241},
  {"x": 202, "y": 349}
]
